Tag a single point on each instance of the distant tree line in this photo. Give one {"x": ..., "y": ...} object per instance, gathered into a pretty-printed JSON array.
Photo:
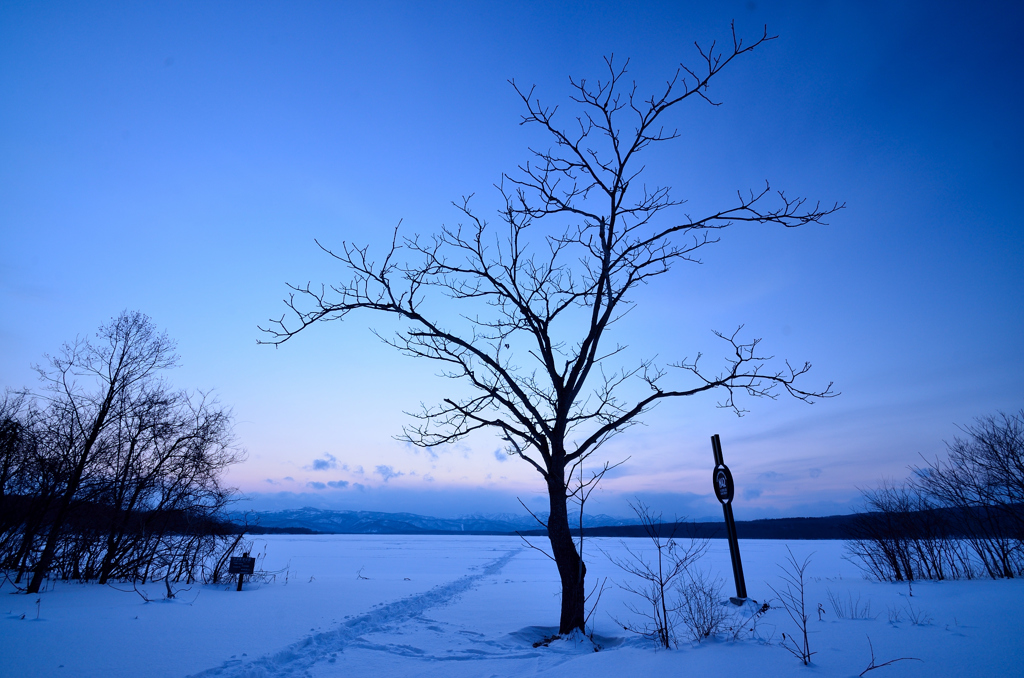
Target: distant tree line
[
  {"x": 107, "y": 473},
  {"x": 957, "y": 518}
]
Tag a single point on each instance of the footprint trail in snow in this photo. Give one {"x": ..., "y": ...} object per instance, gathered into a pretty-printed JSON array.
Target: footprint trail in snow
[{"x": 299, "y": 657}]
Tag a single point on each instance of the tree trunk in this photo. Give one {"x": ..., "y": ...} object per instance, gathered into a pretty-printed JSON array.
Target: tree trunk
[
  {"x": 571, "y": 568},
  {"x": 109, "y": 557},
  {"x": 31, "y": 529},
  {"x": 117, "y": 535},
  {"x": 50, "y": 548}
]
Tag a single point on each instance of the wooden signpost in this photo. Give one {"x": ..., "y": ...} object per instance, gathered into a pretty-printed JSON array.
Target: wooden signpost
[
  {"x": 724, "y": 490},
  {"x": 241, "y": 565}
]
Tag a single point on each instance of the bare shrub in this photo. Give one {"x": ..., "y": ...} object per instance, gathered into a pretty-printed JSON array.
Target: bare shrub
[
  {"x": 792, "y": 598},
  {"x": 658, "y": 577},
  {"x": 917, "y": 617},
  {"x": 849, "y": 608},
  {"x": 700, "y": 605}
]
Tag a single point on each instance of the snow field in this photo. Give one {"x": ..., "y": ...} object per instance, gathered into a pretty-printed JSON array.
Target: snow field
[{"x": 474, "y": 606}]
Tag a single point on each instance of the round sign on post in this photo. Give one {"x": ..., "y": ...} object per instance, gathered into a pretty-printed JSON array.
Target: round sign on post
[{"x": 722, "y": 480}]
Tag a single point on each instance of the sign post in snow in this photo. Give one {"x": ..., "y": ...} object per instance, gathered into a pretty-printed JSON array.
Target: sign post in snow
[
  {"x": 241, "y": 565},
  {"x": 724, "y": 490}
]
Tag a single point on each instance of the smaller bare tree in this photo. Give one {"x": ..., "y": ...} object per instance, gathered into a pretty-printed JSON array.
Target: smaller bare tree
[
  {"x": 792, "y": 597},
  {"x": 658, "y": 576}
]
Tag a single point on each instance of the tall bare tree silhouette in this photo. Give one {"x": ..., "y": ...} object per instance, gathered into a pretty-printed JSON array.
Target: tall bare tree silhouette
[{"x": 579, "y": 235}]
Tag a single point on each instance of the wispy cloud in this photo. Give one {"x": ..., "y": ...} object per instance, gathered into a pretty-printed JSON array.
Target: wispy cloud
[
  {"x": 387, "y": 472},
  {"x": 327, "y": 462},
  {"x": 335, "y": 484}
]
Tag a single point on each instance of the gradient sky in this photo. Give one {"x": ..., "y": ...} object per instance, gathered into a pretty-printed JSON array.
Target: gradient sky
[{"x": 180, "y": 158}]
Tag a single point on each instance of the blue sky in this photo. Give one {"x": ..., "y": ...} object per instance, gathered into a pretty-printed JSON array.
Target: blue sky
[{"x": 180, "y": 158}]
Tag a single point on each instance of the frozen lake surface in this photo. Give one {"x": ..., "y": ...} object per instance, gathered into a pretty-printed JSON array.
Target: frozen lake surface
[{"x": 358, "y": 605}]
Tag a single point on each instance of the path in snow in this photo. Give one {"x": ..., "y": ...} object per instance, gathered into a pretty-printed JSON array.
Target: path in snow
[{"x": 297, "y": 659}]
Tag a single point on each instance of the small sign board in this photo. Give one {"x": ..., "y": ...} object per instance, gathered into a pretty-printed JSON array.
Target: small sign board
[
  {"x": 724, "y": 487},
  {"x": 241, "y": 565}
]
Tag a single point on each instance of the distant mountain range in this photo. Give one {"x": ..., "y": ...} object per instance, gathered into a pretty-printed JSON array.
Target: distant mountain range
[{"x": 320, "y": 521}]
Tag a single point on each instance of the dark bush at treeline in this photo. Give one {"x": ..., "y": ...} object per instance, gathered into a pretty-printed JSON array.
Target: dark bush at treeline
[{"x": 955, "y": 518}]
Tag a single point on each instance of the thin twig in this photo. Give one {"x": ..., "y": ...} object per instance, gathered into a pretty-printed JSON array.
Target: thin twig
[{"x": 872, "y": 666}]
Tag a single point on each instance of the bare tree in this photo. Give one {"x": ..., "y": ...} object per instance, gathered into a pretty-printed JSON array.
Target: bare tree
[
  {"x": 982, "y": 481},
  {"x": 82, "y": 385},
  {"x": 579, "y": 236},
  {"x": 955, "y": 517},
  {"x": 107, "y": 472},
  {"x": 169, "y": 450}
]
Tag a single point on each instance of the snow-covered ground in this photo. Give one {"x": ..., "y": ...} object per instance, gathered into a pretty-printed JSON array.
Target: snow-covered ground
[{"x": 475, "y": 606}]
